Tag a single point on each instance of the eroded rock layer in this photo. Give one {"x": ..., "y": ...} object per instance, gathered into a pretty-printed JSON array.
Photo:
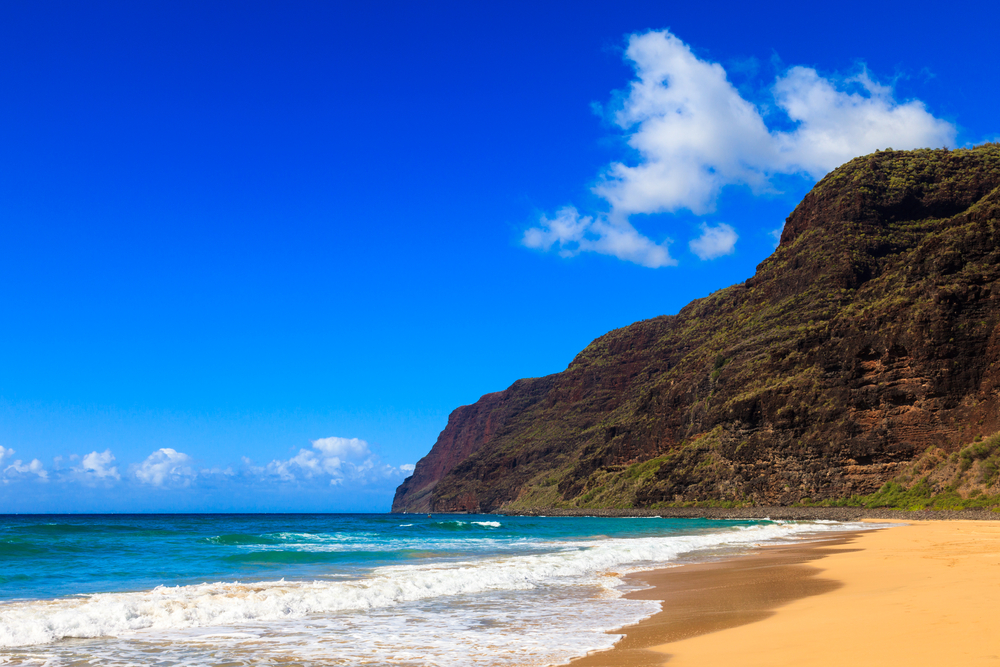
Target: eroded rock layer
[{"x": 871, "y": 333}]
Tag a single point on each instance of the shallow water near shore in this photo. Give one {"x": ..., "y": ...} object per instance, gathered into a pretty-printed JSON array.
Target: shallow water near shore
[{"x": 329, "y": 589}]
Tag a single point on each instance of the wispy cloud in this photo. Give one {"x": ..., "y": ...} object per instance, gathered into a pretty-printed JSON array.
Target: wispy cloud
[
  {"x": 570, "y": 234},
  {"x": 17, "y": 468},
  {"x": 694, "y": 134},
  {"x": 332, "y": 460}
]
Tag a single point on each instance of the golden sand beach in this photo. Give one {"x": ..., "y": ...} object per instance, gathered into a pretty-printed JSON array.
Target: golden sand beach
[{"x": 921, "y": 593}]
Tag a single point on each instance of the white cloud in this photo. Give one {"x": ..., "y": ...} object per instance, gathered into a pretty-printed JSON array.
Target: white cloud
[
  {"x": 835, "y": 126},
  {"x": 570, "y": 233},
  {"x": 165, "y": 466},
  {"x": 18, "y": 467},
  {"x": 407, "y": 467},
  {"x": 97, "y": 465},
  {"x": 5, "y": 452},
  {"x": 335, "y": 459},
  {"x": 342, "y": 447},
  {"x": 694, "y": 134},
  {"x": 692, "y": 129},
  {"x": 714, "y": 241}
]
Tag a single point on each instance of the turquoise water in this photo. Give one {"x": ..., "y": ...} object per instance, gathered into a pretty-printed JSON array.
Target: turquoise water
[{"x": 318, "y": 589}]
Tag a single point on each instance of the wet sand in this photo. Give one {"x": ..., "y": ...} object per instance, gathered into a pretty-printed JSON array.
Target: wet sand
[{"x": 920, "y": 594}]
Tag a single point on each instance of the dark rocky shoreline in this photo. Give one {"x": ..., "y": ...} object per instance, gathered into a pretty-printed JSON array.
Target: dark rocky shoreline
[{"x": 788, "y": 513}]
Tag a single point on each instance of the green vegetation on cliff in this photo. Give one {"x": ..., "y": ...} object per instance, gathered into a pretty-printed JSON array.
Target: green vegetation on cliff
[{"x": 965, "y": 479}]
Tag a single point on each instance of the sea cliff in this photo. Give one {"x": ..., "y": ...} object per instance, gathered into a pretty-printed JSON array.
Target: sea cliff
[{"x": 863, "y": 350}]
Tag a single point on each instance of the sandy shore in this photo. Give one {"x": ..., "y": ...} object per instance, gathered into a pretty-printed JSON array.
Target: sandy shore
[{"x": 926, "y": 593}]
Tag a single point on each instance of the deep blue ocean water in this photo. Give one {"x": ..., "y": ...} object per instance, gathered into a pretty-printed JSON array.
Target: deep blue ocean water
[{"x": 345, "y": 589}]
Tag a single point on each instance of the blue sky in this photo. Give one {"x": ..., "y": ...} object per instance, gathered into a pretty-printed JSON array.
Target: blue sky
[{"x": 254, "y": 253}]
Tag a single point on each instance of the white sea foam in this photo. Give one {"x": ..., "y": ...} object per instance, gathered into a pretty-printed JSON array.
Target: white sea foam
[
  {"x": 387, "y": 544},
  {"x": 234, "y": 605},
  {"x": 502, "y": 629}
]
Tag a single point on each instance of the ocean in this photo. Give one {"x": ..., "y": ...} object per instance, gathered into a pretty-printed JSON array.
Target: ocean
[{"x": 338, "y": 589}]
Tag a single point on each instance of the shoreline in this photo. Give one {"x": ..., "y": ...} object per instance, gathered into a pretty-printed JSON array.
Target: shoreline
[
  {"x": 778, "y": 512},
  {"x": 706, "y": 597},
  {"x": 920, "y": 593}
]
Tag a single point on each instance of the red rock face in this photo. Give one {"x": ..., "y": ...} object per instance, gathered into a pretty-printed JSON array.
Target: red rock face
[
  {"x": 469, "y": 428},
  {"x": 872, "y": 333}
]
